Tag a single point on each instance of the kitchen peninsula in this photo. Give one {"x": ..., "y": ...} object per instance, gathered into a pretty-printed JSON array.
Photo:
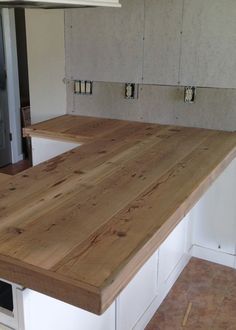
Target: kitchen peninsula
[{"x": 90, "y": 226}]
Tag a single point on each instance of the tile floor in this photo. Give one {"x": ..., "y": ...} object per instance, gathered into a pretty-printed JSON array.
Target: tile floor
[{"x": 207, "y": 291}]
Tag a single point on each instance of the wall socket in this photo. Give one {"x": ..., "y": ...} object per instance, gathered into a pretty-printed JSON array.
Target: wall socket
[
  {"x": 190, "y": 94},
  {"x": 131, "y": 91},
  {"x": 83, "y": 87}
]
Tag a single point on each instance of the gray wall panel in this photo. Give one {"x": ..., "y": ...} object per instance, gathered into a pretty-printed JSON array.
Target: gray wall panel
[
  {"x": 209, "y": 43},
  {"x": 163, "y": 24},
  {"x": 214, "y": 108},
  {"x": 106, "y": 44}
]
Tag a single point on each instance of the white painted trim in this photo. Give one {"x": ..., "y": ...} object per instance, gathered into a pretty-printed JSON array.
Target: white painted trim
[
  {"x": 218, "y": 257},
  {"x": 12, "y": 83}
]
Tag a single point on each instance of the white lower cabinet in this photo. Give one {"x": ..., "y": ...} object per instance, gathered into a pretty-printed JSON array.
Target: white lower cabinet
[
  {"x": 44, "y": 149},
  {"x": 45, "y": 313},
  {"x": 135, "y": 299},
  {"x": 214, "y": 220},
  {"x": 171, "y": 252}
]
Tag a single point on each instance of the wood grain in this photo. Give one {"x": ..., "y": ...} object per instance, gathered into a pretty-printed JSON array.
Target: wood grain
[
  {"x": 73, "y": 128},
  {"x": 81, "y": 225},
  {"x": 4, "y": 177}
]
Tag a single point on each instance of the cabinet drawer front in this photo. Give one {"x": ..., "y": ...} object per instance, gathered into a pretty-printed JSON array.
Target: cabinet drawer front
[
  {"x": 137, "y": 296},
  {"x": 171, "y": 251}
]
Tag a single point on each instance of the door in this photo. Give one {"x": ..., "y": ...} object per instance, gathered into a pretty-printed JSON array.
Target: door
[{"x": 5, "y": 143}]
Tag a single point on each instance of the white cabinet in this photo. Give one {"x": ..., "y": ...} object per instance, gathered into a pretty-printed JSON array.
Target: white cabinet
[
  {"x": 209, "y": 43},
  {"x": 214, "y": 216},
  {"x": 104, "y": 44},
  {"x": 163, "y": 23},
  {"x": 172, "y": 251},
  {"x": 44, "y": 149},
  {"x": 106, "y": 3},
  {"x": 45, "y": 313},
  {"x": 138, "y": 295}
]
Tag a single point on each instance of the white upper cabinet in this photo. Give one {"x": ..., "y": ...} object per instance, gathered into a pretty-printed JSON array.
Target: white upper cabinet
[
  {"x": 105, "y": 44},
  {"x": 103, "y": 3},
  {"x": 163, "y": 23},
  {"x": 209, "y": 43}
]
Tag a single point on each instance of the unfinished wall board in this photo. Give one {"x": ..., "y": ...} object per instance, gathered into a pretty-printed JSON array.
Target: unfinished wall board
[
  {"x": 46, "y": 61},
  {"x": 214, "y": 108},
  {"x": 105, "y": 44},
  {"x": 209, "y": 43},
  {"x": 163, "y": 24}
]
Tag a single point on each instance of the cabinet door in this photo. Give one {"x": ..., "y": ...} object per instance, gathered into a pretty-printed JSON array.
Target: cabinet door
[
  {"x": 105, "y": 44},
  {"x": 45, "y": 149},
  {"x": 209, "y": 43},
  {"x": 137, "y": 296},
  {"x": 172, "y": 250},
  {"x": 214, "y": 216},
  {"x": 45, "y": 313},
  {"x": 163, "y": 23}
]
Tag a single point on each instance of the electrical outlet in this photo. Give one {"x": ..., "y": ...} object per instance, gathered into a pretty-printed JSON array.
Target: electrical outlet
[
  {"x": 83, "y": 87},
  {"x": 189, "y": 94},
  {"x": 131, "y": 91}
]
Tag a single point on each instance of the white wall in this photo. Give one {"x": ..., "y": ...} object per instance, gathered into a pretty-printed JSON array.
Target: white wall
[
  {"x": 46, "y": 61},
  {"x": 12, "y": 83}
]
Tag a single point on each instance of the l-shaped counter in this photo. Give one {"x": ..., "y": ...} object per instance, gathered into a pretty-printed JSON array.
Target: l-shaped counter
[{"x": 81, "y": 226}]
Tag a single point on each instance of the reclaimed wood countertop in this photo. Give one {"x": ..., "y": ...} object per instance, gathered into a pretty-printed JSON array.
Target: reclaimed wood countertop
[
  {"x": 79, "y": 227},
  {"x": 4, "y": 177}
]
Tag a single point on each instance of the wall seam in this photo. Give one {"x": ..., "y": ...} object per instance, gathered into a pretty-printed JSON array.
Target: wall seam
[
  {"x": 144, "y": 33},
  {"x": 181, "y": 43}
]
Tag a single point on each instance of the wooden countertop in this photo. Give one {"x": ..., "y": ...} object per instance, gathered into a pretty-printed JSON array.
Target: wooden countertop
[
  {"x": 80, "y": 226},
  {"x": 4, "y": 177},
  {"x": 73, "y": 128}
]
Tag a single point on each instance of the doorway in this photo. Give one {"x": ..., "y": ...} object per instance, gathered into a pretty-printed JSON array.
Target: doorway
[
  {"x": 5, "y": 137},
  {"x": 14, "y": 89},
  {"x": 22, "y": 59}
]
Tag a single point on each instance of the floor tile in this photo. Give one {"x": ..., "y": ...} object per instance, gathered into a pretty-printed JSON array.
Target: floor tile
[{"x": 210, "y": 289}]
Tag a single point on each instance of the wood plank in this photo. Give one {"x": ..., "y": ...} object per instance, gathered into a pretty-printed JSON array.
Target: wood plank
[
  {"x": 46, "y": 181},
  {"x": 73, "y": 128}
]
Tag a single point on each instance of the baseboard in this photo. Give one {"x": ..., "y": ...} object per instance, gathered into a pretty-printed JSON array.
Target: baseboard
[
  {"x": 218, "y": 257},
  {"x": 165, "y": 288}
]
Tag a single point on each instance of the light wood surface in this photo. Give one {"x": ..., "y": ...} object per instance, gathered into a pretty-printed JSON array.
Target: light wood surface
[
  {"x": 80, "y": 226},
  {"x": 4, "y": 177},
  {"x": 73, "y": 128}
]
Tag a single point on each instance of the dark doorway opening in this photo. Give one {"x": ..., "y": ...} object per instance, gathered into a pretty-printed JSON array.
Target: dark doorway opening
[
  {"x": 21, "y": 42},
  {"x": 22, "y": 57}
]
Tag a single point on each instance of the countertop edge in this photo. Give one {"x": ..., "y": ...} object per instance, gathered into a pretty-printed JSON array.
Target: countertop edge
[
  {"x": 75, "y": 293},
  {"x": 138, "y": 259}
]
